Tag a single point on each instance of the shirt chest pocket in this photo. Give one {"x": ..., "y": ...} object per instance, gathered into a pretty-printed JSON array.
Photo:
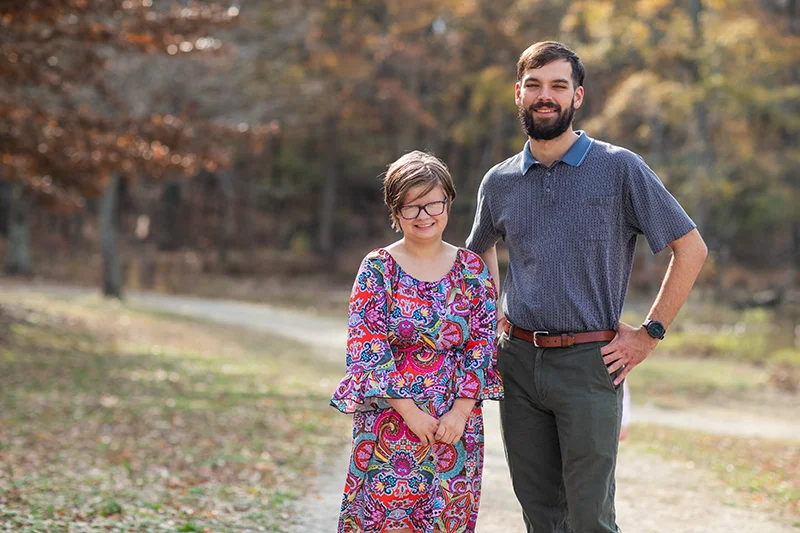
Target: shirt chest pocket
[{"x": 596, "y": 218}]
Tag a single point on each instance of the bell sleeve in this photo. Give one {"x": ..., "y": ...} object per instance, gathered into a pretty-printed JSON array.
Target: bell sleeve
[
  {"x": 476, "y": 375},
  {"x": 371, "y": 376}
]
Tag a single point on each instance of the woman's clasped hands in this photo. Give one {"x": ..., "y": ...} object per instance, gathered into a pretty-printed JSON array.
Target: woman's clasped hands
[
  {"x": 423, "y": 425},
  {"x": 428, "y": 429}
]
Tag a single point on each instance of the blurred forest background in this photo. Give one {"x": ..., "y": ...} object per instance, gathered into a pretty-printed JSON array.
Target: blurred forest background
[
  {"x": 235, "y": 151},
  {"x": 151, "y": 145}
]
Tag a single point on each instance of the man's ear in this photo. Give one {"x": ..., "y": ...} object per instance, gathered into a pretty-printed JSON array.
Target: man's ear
[
  {"x": 578, "y": 97},
  {"x": 517, "y": 96}
]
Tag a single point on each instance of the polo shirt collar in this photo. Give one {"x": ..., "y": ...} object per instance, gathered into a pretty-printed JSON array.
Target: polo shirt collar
[{"x": 574, "y": 156}]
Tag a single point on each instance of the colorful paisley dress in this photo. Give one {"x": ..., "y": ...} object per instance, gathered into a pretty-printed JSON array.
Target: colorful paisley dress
[{"x": 432, "y": 342}]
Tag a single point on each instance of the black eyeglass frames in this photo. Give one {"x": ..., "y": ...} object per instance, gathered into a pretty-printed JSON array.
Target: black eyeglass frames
[{"x": 410, "y": 212}]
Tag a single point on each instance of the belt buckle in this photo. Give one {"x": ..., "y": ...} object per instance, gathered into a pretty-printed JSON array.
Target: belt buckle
[
  {"x": 537, "y": 334},
  {"x": 564, "y": 338}
]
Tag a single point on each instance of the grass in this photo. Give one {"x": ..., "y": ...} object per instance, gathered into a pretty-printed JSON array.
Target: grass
[
  {"x": 663, "y": 378},
  {"x": 759, "y": 336},
  {"x": 115, "y": 419},
  {"x": 759, "y": 473},
  {"x": 717, "y": 350},
  {"x": 119, "y": 419}
]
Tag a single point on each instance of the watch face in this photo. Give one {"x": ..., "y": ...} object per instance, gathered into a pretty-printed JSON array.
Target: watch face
[{"x": 656, "y": 329}]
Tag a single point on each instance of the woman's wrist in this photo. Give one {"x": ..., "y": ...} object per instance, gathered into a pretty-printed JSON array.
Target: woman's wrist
[
  {"x": 403, "y": 406},
  {"x": 464, "y": 406}
]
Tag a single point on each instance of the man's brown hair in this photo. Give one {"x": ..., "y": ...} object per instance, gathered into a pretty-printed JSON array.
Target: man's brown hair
[
  {"x": 545, "y": 52},
  {"x": 413, "y": 169}
]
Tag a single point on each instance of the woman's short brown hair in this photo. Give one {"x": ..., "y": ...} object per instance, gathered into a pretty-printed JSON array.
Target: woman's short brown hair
[
  {"x": 411, "y": 170},
  {"x": 543, "y": 53}
]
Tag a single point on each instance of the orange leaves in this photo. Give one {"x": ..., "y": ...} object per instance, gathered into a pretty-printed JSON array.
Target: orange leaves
[
  {"x": 142, "y": 39},
  {"x": 64, "y": 126},
  {"x": 327, "y": 60},
  {"x": 159, "y": 150}
]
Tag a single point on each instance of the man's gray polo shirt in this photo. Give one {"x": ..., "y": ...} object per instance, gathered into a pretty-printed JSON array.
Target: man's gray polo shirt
[{"x": 571, "y": 232}]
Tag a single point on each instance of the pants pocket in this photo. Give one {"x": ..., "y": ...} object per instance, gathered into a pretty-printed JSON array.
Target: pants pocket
[{"x": 608, "y": 379}]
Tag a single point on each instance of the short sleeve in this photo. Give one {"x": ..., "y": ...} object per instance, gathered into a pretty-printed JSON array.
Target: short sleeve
[
  {"x": 476, "y": 375},
  {"x": 651, "y": 210},
  {"x": 371, "y": 372},
  {"x": 484, "y": 234}
]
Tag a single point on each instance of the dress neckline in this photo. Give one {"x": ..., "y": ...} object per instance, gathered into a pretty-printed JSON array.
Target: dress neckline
[{"x": 456, "y": 265}]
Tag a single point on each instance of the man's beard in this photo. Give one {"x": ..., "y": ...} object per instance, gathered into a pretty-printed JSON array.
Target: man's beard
[{"x": 539, "y": 131}]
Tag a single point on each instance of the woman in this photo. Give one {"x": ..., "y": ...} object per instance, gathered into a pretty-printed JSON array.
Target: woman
[{"x": 420, "y": 358}]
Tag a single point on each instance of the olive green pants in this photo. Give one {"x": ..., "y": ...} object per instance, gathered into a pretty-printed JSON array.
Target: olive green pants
[{"x": 561, "y": 421}]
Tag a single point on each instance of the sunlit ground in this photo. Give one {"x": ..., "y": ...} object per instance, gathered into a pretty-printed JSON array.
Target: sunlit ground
[{"x": 119, "y": 420}]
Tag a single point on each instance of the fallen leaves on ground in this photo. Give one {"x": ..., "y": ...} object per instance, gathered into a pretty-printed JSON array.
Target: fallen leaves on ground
[{"x": 118, "y": 420}]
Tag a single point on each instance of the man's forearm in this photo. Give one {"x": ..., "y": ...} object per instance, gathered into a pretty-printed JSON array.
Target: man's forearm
[
  {"x": 688, "y": 254},
  {"x": 490, "y": 258}
]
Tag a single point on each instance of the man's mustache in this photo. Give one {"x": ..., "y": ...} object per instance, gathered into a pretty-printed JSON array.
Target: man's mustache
[{"x": 554, "y": 107}]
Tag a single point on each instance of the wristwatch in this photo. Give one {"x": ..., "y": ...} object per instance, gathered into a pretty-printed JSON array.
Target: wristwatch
[{"x": 655, "y": 329}]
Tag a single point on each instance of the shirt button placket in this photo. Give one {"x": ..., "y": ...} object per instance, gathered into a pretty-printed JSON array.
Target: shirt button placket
[{"x": 548, "y": 187}]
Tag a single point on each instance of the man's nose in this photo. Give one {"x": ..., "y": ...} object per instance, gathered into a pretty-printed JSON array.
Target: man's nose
[{"x": 545, "y": 94}]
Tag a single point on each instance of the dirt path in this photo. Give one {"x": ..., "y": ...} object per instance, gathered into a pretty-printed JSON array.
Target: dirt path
[{"x": 653, "y": 495}]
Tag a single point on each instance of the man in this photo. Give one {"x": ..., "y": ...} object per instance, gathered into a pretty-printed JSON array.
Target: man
[{"x": 569, "y": 209}]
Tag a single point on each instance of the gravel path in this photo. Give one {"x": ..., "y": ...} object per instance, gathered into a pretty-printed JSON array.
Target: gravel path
[{"x": 653, "y": 495}]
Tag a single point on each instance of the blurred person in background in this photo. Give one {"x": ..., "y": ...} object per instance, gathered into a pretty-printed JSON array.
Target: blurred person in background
[
  {"x": 420, "y": 360},
  {"x": 569, "y": 208}
]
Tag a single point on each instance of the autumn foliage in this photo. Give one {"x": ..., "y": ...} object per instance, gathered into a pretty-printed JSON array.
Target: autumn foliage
[{"x": 63, "y": 128}]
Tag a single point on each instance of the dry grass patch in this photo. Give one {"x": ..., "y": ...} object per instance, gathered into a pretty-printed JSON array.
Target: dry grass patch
[
  {"x": 759, "y": 473},
  {"x": 116, "y": 419}
]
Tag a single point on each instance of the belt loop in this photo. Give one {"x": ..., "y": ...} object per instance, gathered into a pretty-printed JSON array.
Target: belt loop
[{"x": 510, "y": 328}]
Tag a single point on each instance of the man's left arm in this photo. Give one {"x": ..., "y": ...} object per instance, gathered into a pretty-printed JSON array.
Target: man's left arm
[{"x": 632, "y": 345}]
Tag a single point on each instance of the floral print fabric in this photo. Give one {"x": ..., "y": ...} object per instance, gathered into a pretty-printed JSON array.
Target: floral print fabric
[{"x": 431, "y": 342}]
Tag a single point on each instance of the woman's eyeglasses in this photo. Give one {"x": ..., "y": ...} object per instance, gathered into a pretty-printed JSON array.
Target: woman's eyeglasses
[{"x": 410, "y": 212}]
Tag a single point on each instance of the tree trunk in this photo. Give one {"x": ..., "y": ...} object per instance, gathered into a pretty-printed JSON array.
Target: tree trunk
[
  {"x": 6, "y": 188},
  {"x": 791, "y": 272},
  {"x": 329, "y": 189},
  {"x": 225, "y": 182},
  {"x": 75, "y": 235},
  {"x": 703, "y": 152},
  {"x": 793, "y": 10},
  {"x": 245, "y": 216},
  {"x": 112, "y": 278},
  {"x": 18, "y": 255},
  {"x": 168, "y": 218}
]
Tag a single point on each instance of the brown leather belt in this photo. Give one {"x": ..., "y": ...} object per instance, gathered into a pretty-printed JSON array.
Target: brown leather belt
[{"x": 544, "y": 339}]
